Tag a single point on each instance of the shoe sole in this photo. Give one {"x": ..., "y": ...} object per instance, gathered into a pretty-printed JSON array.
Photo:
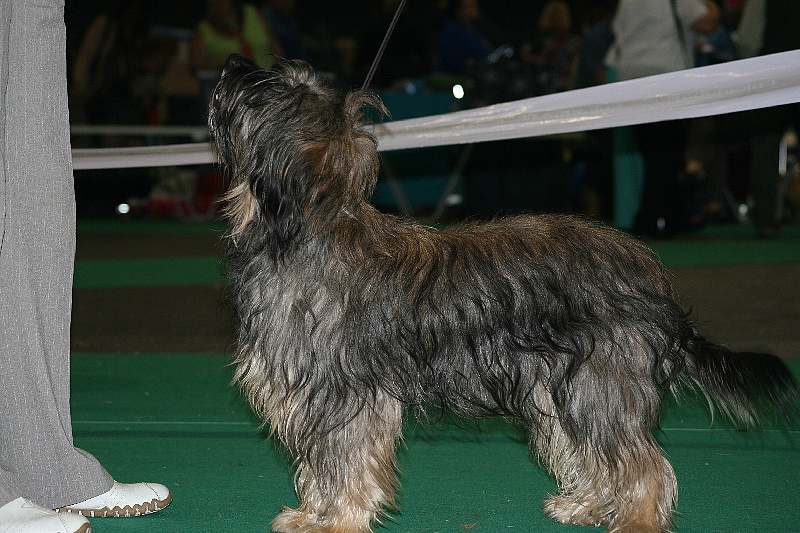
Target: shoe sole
[
  {"x": 139, "y": 509},
  {"x": 85, "y": 528}
]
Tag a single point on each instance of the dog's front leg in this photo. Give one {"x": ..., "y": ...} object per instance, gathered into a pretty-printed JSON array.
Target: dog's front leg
[{"x": 346, "y": 476}]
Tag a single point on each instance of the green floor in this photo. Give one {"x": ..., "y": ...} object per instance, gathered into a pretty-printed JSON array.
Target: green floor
[{"x": 172, "y": 418}]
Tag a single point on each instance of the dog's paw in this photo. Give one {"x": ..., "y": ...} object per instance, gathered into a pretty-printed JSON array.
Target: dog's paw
[
  {"x": 571, "y": 510},
  {"x": 297, "y": 521}
]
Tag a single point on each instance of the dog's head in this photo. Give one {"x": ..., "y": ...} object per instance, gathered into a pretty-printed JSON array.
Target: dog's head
[{"x": 294, "y": 149}]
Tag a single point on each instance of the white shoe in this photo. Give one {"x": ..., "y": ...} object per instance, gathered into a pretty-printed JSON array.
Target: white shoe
[
  {"x": 24, "y": 516},
  {"x": 123, "y": 500}
]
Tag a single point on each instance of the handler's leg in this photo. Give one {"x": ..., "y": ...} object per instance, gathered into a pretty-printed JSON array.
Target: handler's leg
[{"x": 36, "y": 263}]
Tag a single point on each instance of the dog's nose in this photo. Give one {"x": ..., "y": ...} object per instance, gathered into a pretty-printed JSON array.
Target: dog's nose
[{"x": 236, "y": 62}]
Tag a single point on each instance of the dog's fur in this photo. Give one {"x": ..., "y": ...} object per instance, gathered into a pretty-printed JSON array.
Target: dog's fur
[{"x": 348, "y": 318}]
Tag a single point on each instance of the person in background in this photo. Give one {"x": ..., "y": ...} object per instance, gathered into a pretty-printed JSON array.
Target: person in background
[
  {"x": 232, "y": 27},
  {"x": 103, "y": 86},
  {"x": 592, "y": 51},
  {"x": 768, "y": 27},
  {"x": 40, "y": 468},
  {"x": 557, "y": 46},
  {"x": 460, "y": 41},
  {"x": 596, "y": 149},
  {"x": 280, "y": 14},
  {"x": 655, "y": 37}
]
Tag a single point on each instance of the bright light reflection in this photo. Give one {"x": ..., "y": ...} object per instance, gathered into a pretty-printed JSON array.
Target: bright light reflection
[{"x": 458, "y": 91}]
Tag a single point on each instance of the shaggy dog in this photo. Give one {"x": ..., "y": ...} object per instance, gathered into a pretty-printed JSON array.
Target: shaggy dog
[{"x": 349, "y": 318}]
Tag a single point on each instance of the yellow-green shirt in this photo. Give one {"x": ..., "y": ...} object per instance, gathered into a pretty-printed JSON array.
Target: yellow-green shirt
[{"x": 253, "y": 40}]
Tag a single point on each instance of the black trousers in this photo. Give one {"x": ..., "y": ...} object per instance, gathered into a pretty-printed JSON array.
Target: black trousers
[{"x": 663, "y": 148}]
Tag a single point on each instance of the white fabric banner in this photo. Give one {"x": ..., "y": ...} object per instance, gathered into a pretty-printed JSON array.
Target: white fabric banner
[
  {"x": 143, "y": 156},
  {"x": 735, "y": 86}
]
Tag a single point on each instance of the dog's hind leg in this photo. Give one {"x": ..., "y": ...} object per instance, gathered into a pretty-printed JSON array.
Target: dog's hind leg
[
  {"x": 580, "y": 501},
  {"x": 608, "y": 466},
  {"x": 633, "y": 495},
  {"x": 346, "y": 478},
  {"x": 645, "y": 491}
]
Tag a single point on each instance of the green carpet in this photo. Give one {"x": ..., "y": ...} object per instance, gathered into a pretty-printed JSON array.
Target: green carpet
[
  {"x": 134, "y": 272},
  {"x": 173, "y": 419},
  {"x": 729, "y": 245}
]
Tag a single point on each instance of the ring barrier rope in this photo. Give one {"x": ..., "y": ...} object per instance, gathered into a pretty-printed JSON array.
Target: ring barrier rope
[
  {"x": 167, "y": 155},
  {"x": 742, "y": 85}
]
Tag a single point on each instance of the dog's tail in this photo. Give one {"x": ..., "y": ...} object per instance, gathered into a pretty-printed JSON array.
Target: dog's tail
[{"x": 747, "y": 387}]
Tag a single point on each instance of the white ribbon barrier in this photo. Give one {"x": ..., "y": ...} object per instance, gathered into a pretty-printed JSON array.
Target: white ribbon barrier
[
  {"x": 735, "y": 86},
  {"x": 167, "y": 155}
]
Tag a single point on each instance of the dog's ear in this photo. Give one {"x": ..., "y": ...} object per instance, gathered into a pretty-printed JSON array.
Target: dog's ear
[
  {"x": 280, "y": 193},
  {"x": 225, "y": 99},
  {"x": 269, "y": 190},
  {"x": 254, "y": 124}
]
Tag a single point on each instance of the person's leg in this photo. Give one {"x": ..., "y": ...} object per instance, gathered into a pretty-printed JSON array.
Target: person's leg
[
  {"x": 764, "y": 151},
  {"x": 663, "y": 146},
  {"x": 766, "y": 129},
  {"x": 36, "y": 265},
  {"x": 8, "y": 490}
]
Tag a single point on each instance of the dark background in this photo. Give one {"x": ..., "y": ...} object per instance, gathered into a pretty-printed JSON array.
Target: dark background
[{"x": 513, "y": 20}]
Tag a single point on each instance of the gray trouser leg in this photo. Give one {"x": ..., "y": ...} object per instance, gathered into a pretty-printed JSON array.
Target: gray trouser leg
[{"x": 37, "y": 456}]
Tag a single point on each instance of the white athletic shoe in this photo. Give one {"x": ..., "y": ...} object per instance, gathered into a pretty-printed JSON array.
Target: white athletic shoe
[
  {"x": 24, "y": 516},
  {"x": 124, "y": 500}
]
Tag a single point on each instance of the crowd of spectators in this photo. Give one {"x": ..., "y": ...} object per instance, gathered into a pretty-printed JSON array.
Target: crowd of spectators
[
  {"x": 148, "y": 55},
  {"x": 142, "y": 62}
]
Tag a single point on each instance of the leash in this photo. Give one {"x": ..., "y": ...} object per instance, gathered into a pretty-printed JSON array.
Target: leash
[{"x": 377, "y": 59}]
